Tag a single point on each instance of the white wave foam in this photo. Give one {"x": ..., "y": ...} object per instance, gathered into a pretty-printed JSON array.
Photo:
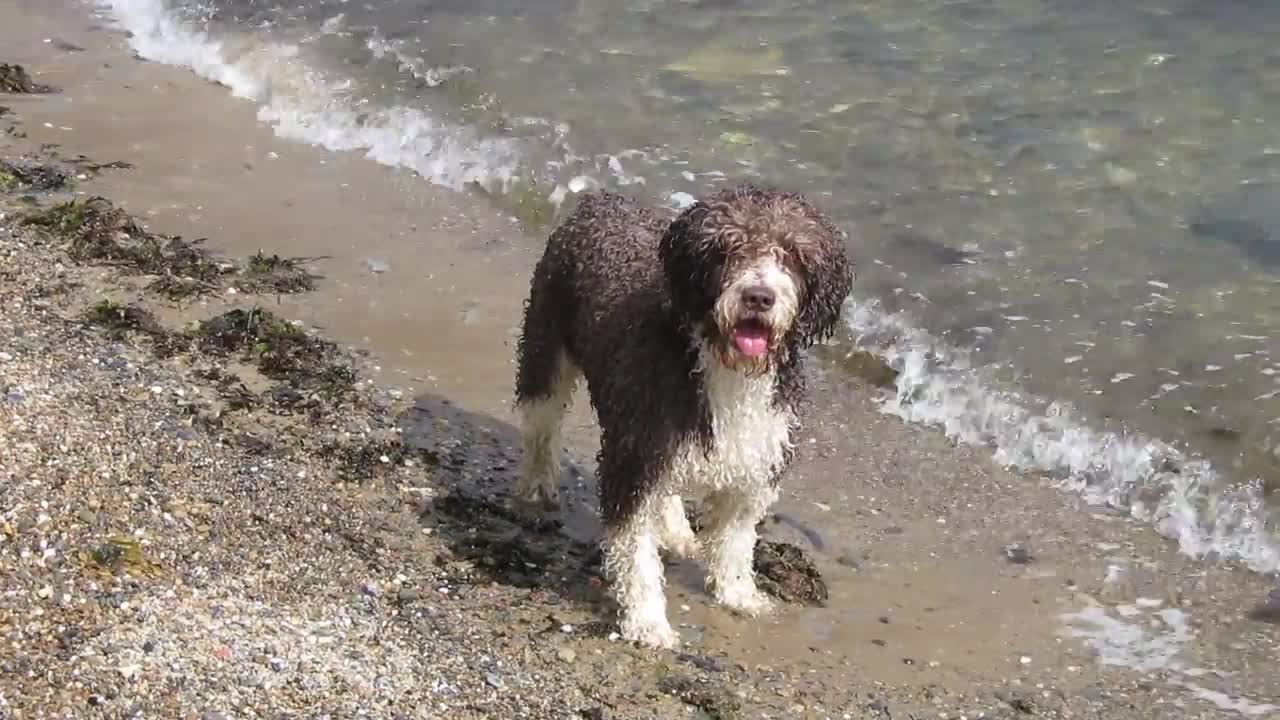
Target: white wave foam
[
  {"x": 302, "y": 105},
  {"x": 1183, "y": 497},
  {"x": 1142, "y": 638}
]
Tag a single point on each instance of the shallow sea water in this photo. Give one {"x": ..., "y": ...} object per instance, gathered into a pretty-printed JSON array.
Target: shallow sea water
[{"x": 1068, "y": 212}]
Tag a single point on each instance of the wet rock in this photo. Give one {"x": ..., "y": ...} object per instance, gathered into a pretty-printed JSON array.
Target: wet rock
[
  {"x": 1018, "y": 554},
  {"x": 784, "y": 571}
]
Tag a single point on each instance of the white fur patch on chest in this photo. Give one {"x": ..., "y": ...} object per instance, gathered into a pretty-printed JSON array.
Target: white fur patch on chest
[{"x": 750, "y": 435}]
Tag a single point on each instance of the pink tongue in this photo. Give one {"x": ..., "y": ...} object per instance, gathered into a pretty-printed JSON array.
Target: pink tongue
[{"x": 750, "y": 342}]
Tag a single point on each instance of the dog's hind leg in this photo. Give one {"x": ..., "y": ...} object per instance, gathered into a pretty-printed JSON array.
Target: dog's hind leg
[
  {"x": 545, "y": 382},
  {"x": 731, "y": 543}
]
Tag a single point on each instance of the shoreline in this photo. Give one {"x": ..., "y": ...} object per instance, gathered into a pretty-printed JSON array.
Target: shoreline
[{"x": 886, "y": 556}]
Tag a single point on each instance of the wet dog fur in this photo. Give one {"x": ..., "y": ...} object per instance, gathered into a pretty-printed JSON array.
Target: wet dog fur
[{"x": 689, "y": 333}]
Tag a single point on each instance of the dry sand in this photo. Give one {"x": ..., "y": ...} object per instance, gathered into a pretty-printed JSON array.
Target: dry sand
[{"x": 269, "y": 578}]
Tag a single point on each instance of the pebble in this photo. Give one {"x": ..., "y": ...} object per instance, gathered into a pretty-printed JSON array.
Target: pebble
[
  {"x": 408, "y": 595},
  {"x": 1018, "y": 554},
  {"x": 567, "y": 654},
  {"x": 494, "y": 680}
]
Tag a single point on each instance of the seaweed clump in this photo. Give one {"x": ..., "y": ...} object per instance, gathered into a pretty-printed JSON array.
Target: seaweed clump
[
  {"x": 31, "y": 177},
  {"x": 310, "y": 368},
  {"x": 120, "y": 320},
  {"x": 95, "y": 230},
  {"x": 273, "y": 274},
  {"x": 784, "y": 571},
  {"x": 15, "y": 79}
]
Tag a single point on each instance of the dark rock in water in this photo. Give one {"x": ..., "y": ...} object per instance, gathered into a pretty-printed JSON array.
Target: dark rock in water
[
  {"x": 1224, "y": 434},
  {"x": 15, "y": 79},
  {"x": 784, "y": 571},
  {"x": 1249, "y": 222},
  {"x": 65, "y": 46},
  {"x": 869, "y": 367},
  {"x": 1018, "y": 554},
  {"x": 930, "y": 251},
  {"x": 1268, "y": 611}
]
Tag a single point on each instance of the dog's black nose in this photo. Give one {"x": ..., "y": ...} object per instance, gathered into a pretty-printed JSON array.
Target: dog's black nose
[{"x": 758, "y": 298}]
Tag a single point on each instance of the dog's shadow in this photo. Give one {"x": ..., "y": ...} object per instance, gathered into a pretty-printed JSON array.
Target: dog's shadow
[{"x": 493, "y": 538}]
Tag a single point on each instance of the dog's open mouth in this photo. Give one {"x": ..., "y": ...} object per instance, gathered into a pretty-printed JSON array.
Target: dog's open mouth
[{"x": 751, "y": 337}]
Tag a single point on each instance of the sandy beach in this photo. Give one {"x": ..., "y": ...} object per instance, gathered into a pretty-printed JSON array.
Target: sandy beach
[{"x": 199, "y": 522}]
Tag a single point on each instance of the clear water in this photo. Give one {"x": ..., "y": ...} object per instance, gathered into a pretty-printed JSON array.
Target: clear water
[{"x": 1076, "y": 202}]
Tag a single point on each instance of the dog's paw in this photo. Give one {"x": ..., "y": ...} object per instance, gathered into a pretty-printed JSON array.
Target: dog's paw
[
  {"x": 538, "y": 495},
  {"x": 657, "y": 635},
  {"x": 744, "y": 598}
]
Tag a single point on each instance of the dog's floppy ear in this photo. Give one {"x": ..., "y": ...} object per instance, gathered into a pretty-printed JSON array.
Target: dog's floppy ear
[
  {"x": 686, "y": 262},
  {"x": 828, "y": 280}
]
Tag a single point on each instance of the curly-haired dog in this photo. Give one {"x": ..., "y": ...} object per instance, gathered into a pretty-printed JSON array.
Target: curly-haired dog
[{"x": 689, "y": 333}]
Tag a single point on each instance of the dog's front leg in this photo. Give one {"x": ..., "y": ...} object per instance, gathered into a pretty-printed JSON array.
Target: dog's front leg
[
  {"x": 631, "y": 560},
  {"x": 731, "y": 530}
]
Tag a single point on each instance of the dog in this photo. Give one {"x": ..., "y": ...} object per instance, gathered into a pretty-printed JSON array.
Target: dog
[{"x": 689, "y": 333}]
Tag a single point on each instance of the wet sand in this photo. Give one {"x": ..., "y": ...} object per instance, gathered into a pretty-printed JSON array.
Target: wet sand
[{"x": 927, "y": 608}]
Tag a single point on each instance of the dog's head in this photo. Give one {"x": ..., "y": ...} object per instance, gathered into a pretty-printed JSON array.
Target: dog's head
[{"x": 759, "y": 273}]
